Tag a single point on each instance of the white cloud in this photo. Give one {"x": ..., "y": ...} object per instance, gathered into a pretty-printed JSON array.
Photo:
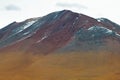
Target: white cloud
[
  {"x": 71, "y": 5},
  {"x": 12, "y": 7}
]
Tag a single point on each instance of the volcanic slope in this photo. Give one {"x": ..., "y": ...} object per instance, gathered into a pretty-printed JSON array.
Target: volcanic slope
[{"x": 62, "y": 45}]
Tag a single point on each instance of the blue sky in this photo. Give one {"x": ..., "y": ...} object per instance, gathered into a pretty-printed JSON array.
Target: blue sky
[{"x": 19, "y": 10}]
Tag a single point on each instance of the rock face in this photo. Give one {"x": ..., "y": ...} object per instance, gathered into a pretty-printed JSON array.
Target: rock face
[{"x": 60, "y": 31}]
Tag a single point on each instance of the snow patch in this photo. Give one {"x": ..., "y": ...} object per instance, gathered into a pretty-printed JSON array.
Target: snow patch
[
  {"x": 98, "y": 27},
  {"x": 23, "y": 27},
  {"x": 75, "y": 20},
  {"x": 44, "y": 37},
  {"x": 99, "y": 20},
  {"x": 117, "y": 34},
  {"x": 28, "y": 24},
  {"x": 56, "y": 16},
  {"x": 26, "y": 33},
  {"x": 109, "y": 31},
  {"x": 74, "y": 23}
]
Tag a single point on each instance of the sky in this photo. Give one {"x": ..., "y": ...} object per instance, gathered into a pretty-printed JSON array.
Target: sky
[{"x": 19, "y": 10}]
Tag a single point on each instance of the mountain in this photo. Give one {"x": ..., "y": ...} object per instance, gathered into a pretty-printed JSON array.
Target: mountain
[
  {"x": 62, "y": 30},
  {"x": 62, "y": 45}
]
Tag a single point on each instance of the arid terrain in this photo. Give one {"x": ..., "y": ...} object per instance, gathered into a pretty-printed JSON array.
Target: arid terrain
[{"x": 67, "y": 66}]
